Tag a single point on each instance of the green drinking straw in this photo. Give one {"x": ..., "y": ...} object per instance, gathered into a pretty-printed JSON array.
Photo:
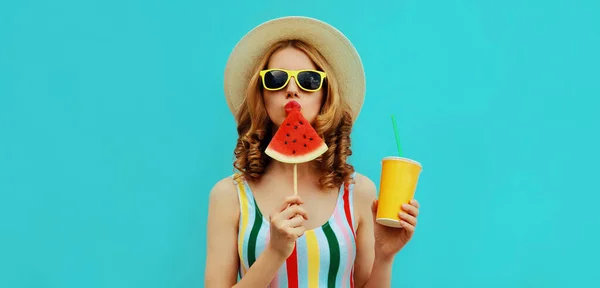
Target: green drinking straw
[{"x": 397, "y": 136}]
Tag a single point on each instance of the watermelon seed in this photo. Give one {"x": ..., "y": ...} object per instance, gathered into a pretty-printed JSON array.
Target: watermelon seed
[
  {"x": 285, "y": 142},
  {"x": 293, "y": 151},
  {"x": 294, "y": 140},
  {"x": 304, "y": 136},
  {"x": 304, "y": 144},
  {"x": 310, "y": 138},
  {"x": 301, "y": 123},
  {"x": 288, "y": 124},
  {"x": 288, "y": 134},
  {"x": 295, "y": 127}
]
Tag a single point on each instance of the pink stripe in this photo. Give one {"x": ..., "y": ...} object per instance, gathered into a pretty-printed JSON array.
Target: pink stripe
[
  {"x": 339, "y": 220},
  {"x": 275, "y": 281},
  {"x": 268, "y": 237}
]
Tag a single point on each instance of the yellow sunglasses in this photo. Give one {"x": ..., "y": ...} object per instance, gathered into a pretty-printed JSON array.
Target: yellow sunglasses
[{"x": 308, "y": 80}]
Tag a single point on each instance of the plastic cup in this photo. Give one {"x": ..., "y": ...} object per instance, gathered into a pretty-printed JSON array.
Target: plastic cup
[{"x": 399, "y": 177}]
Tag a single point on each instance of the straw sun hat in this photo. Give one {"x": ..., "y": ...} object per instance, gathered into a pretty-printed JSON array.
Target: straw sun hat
[{"x": 330, "y": 42}]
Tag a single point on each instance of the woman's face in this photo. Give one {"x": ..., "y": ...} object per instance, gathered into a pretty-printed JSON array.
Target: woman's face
[{"x": 291, "y": 58}]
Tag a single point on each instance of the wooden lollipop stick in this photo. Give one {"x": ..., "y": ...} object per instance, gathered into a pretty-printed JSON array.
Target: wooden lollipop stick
[{"x": 295, "y": 179}]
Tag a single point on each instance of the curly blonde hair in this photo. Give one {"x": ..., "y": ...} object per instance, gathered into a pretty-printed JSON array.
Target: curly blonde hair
[{"x": 333, "y": 124}]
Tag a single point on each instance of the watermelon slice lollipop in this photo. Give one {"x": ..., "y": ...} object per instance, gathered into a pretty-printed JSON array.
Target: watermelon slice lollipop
[{"x": 296, "y": 141}]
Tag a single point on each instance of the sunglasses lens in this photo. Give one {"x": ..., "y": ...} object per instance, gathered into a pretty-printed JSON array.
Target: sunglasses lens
[
  {"x": 309, "y": 80},
  {"x": 275, "y": 79}
]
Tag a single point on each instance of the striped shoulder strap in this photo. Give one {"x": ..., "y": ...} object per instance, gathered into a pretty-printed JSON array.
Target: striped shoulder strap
[
  {"x": 250, "y": 224},
  {"x": 349, "y": 204},
  {"x": 245, "y": 210}
]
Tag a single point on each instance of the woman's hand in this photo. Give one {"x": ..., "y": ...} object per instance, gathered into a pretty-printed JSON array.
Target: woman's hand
[
  {"x": 287, "y": 224},
  {"x": 389, "y": 240}
]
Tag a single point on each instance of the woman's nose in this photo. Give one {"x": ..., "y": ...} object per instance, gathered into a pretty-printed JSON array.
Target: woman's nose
[{"x": 292, "y": 89}]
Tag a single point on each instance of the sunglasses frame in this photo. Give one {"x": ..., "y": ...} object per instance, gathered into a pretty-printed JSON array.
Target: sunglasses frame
[{"x": 292, "y": 73}]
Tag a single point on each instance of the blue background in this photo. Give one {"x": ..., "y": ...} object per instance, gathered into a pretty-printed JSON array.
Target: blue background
[{"x": 107, "y": 110}]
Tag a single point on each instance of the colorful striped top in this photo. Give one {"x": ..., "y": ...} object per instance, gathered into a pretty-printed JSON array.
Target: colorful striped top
[{"x": 322, "y": 257}]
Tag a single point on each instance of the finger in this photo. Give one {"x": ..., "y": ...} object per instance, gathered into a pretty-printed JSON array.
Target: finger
[
  {"x": 297, "y": 231},
  {"x": 295, "y": 222},
  {"x": 374, "y": 206},
  {"x": 293, "y": 211},
  {"x": 408, "y": 218},
  {"x": 290, "y": 200},
  {"x": 415, "y": 203},
  {"x": 412, "y": 210},
  {"x": 407, "y": 226}
]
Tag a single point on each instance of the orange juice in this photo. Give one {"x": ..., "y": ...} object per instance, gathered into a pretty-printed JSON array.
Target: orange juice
[{"x": 399, "y": 177}]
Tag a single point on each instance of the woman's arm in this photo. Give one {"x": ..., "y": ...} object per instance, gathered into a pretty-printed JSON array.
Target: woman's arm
[
  {"x": 262, "y": 271},
  {"x": 221, "y": 236},
  {"x": 370, "y": 269},
  {"x": 377, "y": 245},
  {"x": 222, "y": 260}
]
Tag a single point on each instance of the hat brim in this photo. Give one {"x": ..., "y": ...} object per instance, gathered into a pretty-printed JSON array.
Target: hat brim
[{"x": 330, "y": 42}]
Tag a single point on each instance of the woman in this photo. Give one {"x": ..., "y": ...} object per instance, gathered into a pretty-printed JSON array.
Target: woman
[{"x": 259, "y": 232}]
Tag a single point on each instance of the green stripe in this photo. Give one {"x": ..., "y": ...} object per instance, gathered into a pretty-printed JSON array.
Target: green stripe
[
  {"x": 334, "y": 256},
  {"x": 254, "y": 234}
]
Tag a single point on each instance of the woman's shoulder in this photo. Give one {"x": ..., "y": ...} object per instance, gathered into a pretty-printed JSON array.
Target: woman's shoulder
[
  {"x": 365, "y": 193},
  {"x": 364, "y": 187},
  {"x": 224, "y": 192}
]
